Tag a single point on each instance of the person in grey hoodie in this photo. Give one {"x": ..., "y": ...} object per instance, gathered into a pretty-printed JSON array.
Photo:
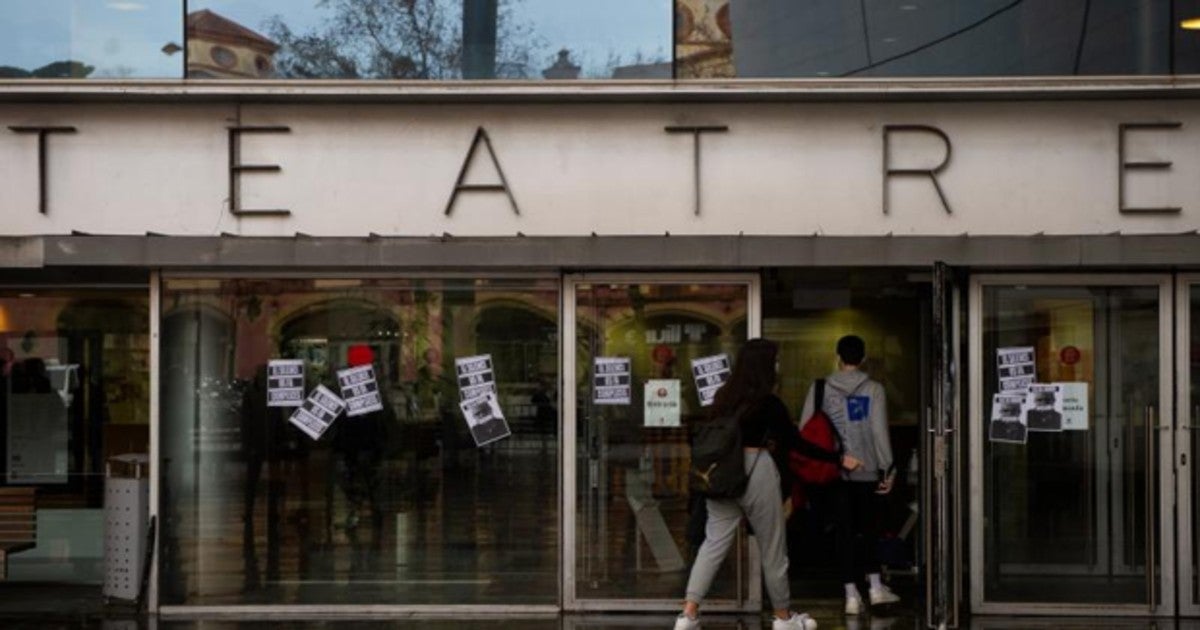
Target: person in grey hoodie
[{"x": 857, "y": 407}]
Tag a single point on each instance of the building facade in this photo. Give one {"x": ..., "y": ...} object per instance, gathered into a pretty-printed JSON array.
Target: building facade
[{"x": 536, "y": 223}]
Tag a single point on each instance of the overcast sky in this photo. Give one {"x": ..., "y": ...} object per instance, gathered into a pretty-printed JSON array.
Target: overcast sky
[{"x": 125, "y": 37}]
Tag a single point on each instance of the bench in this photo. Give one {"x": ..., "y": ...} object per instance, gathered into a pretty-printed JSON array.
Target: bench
[{"x": 18, "y": 524}]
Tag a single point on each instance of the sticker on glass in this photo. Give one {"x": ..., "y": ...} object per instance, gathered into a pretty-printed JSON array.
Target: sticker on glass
[{"x": 710, "y": 374}]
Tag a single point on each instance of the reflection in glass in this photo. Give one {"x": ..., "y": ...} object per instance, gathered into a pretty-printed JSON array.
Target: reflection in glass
[
  {"x": 429, "y": 39},
  {"x": 1192, "y": 347},
  {"x": 81, "y": 39},
  {"x": 396, "y": 506},
  {"x": 74, "y": 392},
  {"x": 833, "y": 38},
  {"x": 637, "y": 527},
  {"x": 1067, "y": 510}
]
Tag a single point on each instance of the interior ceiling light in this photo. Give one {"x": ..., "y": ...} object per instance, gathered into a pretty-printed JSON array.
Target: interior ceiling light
[{"x": 1191, "y": 24}]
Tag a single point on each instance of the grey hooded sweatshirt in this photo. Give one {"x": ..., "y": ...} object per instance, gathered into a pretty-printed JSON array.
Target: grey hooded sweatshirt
[{"x": 858, "y": 408}]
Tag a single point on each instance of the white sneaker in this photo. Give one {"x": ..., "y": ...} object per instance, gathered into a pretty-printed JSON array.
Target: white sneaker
[
  {"x": 854, "y": 604},
  {"x": 882, "y": 596},
  {"x": 799, "y": 621},
  {"x": 684, "y": 622}
]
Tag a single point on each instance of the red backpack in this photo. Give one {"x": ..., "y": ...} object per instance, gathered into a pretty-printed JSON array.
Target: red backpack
[{"x": 820, "y": 432}]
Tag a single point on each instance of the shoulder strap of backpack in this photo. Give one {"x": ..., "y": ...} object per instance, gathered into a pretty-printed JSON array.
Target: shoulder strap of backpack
[{"x": 819, "y": 394}]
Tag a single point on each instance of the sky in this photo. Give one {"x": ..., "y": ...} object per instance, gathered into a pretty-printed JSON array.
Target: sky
[{"x": 125, "y": 37}]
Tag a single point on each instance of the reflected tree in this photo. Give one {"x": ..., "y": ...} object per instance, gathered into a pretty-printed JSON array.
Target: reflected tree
[
  {"x": 56, "y": 70},
  {"x": 397, "y": 39}
]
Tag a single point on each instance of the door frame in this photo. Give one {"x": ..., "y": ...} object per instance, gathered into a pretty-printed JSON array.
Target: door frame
[
  {"x": 1186, "y": 570},
  {"x": 1164, "y": 560},
  {"x": 569, "y": 436}
]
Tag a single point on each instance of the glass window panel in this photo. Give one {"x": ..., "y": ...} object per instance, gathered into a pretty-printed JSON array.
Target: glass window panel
[
  {"x": 1192, "y": 346},
  {"x": 80, "y": 39},
  {"x": 429, "y": 39},
  {"x": 1187, "y": 37},
  {"x": 1066, "y": 509},
  {"x": 635, "y": 533},
  {"x": 835, "y": 38},
  {"x": 397, "y": 506},
  {"x": 74, "y": 392}
]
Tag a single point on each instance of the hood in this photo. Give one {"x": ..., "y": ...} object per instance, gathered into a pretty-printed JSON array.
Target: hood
[{"x": 847, "y": 381}]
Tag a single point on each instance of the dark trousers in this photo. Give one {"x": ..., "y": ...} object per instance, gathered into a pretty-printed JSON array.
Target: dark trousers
[{"x": 856, "y": 512}]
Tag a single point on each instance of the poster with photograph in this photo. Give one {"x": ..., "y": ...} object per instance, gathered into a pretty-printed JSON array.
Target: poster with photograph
[
  {"x": 612, "y": 381},
  {"x": 285, "y": 383},
  {"x": 360, "y": 390},
  {"x": 484, "y": 419},
  {"x": 710, "y": 374},
  {"x": 1008, "y": 423},
  {"x": 475, "y": 376},
  {"x": 1043, "y": 408},
  {"x": 1074, "y": 406},
  {"x": 1015, "y": 368},
  {"x": 318, "y": 412},
  {"x": 661, "y": 403}
]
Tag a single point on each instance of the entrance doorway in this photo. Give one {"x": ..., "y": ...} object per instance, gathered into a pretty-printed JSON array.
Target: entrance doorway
[{"x": 1071, "y": 445}]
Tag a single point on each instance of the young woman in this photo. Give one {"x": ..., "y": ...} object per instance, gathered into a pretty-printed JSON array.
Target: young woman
[{"x": 764, "y": 419}]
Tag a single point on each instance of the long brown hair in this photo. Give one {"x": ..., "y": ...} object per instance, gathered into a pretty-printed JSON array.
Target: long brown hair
[{"x": 753, "y": 378}]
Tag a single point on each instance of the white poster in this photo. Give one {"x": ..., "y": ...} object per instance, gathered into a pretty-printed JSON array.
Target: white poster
[
  {"x": 612, "y": 381},
  {"x": 475, "y": 376},
  {"x": 710, "y": 374},
  {"x": 360, "y": 390},
  {"x": 285, "y": 383},
  {"x": 1008, "y": 423},
  {"x": 318, "y": 412},
  {"x": 485, "y": 419},
  {"x": 1043, "y": 408},
  {"x": 1015, "y": 368},
  {"x": 661, "y": 403},
  {"x": 1074, "y": 406}
]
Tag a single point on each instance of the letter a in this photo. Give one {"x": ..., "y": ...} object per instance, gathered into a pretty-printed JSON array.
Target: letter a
[{"x": 459, "y": 186}]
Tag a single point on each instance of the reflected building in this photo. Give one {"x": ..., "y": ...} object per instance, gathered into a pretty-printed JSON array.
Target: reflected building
[{"x": 219, "y": 48}]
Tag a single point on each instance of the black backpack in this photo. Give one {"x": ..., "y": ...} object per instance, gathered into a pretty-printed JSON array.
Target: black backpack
[{"x": 718, "y": 465}]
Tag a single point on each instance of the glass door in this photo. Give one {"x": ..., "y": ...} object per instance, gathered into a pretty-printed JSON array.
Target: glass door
[
  {"x": 1187, "y": 298},
  {"x": 1071, "y": 451},
  {"x": 629, "y": 395}
]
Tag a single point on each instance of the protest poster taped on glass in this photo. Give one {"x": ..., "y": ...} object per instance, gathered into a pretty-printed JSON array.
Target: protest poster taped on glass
[
  {"x": 1074, "y": 406},
  {"x": 318, "y": 412},
  {"x": 1008, "y": 423},
  {"x": 285, "y": 383},
  {"x": 1043, "y": 408},
  {"x": 360, "y": 390},
  {"x": 612, "y": 381},
  {"x": 1016, "y": 368},
  {"x": 661, "y": 403},
  {"x": 475, "y": 376},
  {"x": 710, "y": 374},
  {"x": 484, "y": 418}
]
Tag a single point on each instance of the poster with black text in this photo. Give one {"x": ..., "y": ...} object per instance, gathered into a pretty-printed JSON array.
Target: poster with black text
[
  {"x": 710, "y": 374},
  {"x": 612, "y": 381},
  {"x": 1016, "y": 368},
  {"x": 318, "y": 412},
  {"x": 485, "y": 419},
  {"x": 475, "y": 376},
  {"x": 285, "y": 383},
  {"x": 360, "y": 390}
]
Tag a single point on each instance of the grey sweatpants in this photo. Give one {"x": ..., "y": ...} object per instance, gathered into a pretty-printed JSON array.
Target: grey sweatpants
[{"x": 763, "y": 506}]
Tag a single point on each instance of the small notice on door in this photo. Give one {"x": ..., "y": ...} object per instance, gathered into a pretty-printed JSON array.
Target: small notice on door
[
  {"x": 1008, "y": 423},
  {"x": 360, "y": 390},
  {"x": 1016, "y": 368},
  {"x": 1044, "y": 408},
  {"x": 661, "y": 403},
  {"x": 1074, "y": 406},
  {"x": 710, "y": 374},
  {"x": 475, "y": 376},
  {"x": 285, "y": 383},
  {"x": 612, "y": 381},
  {"x": 318, "y": 412},
  {"x": 484, "y": 419}
]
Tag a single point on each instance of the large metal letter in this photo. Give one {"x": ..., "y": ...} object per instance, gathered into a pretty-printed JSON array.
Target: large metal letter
[
  {"x": 696, "y": 131},
  {"x": 236, "y": 167},
  {"x": 459, "y": 186},
  {"x": 931, "y": 173},
  {"x": 1123, "y": 166},
  {"x": 43, "y": 173}
]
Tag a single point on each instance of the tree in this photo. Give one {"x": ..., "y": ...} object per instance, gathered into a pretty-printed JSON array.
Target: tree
[{"x": 395, "y": 39}]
